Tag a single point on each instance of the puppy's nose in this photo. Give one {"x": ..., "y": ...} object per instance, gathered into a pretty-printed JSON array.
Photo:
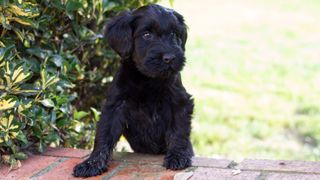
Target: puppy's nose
[{"x": 167, "y": 58}]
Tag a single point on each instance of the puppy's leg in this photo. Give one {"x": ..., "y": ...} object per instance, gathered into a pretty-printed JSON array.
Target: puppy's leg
[
  {"x": 109, "y": 130},
  {"x": 179, "y": 148},
  {"x": 179, "y": 153}
]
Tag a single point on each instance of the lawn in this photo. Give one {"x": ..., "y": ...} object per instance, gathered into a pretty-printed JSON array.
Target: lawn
[{"x": 254, "y": 72}]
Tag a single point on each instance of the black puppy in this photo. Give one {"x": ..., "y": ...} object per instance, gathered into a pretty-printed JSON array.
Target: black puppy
[{"x": 147, "y": 102}]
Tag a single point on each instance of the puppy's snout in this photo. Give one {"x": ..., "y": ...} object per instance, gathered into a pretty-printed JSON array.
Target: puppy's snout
[{"x": 168, "y": 58}]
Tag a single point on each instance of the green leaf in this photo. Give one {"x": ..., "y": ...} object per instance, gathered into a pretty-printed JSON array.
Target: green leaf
[
  {"x": 19, "y": 34},
  {"x": 73, "y": 5},
  {"x": 57, "y": 60},
  {"x": 41, "y": 147},
  {"x": 4, "y": 52},
  {"x": 4, "y": 3},
  {"x": 38, "y": 52},
  {"x": 7, "y": 104},
  {"x": 64, "y": 109},
  {"x": 24, "y": 21},
  {"x": 79, "y": 115},
  {"x": 107, "y": 5},
  {"x": 36, "y": 130},
  {"x": 51, "y": 81},
  {"x": 53, "y": 116},
  {"x": 4, "y": 22},
  {"x": 22, "y": 137},
  {"x": 47, "y": 103},
  {"x": 96, "y": 113},
  {"x": 58, "y": 4},
  {"x": 20, "y": 156}
]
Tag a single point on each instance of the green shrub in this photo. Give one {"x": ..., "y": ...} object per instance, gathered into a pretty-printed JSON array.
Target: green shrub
[{"x": 54, "y": 69}]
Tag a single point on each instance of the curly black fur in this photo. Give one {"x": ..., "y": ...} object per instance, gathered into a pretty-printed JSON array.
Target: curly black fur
[{"x": 147, "y": 102}]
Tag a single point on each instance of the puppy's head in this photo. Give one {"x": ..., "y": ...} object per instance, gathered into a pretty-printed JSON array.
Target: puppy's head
[{"x": 152, "y": 36}]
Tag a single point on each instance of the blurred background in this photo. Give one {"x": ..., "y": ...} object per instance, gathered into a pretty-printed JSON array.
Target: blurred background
[{"x": 253, "y": 67}]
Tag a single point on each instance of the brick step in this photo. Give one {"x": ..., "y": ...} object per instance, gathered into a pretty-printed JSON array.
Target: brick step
[{"x": 57, "y": 163}]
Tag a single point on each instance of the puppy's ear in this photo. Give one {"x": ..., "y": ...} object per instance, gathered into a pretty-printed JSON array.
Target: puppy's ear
[
  {"x": 183, "y": 35},
  {"x": 119, "y": 34}
]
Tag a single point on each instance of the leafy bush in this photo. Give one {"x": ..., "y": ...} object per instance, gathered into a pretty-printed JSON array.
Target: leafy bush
[{"x": 54, "y": 69}]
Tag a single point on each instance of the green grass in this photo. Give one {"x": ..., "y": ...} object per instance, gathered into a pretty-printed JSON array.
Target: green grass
[{"x": 254, "y": 71}]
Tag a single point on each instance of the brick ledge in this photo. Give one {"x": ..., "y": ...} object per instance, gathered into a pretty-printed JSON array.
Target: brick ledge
[{"x": 57, "y": 163}]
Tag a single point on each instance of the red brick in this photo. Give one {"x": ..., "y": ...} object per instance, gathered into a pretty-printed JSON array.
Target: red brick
[
  {"x": 168, "y": 175},
  {"x": 29, "y": 167},
  {"x": 66, "y": 152},
  {"x": 138, "y": 158},
  {"x": 65, "y": 170},
  {"x": 59, "y": 164},
  {"x": 282, "y": 166},
  {"x": 214, "y": 173},
  {"x": 291, "y": 176},
  {"x": 210, "y": 162},
  {"x": 144, "y": 171},
  {"x": 183, "y": 175},
  {"x": 158, "y": 159}
]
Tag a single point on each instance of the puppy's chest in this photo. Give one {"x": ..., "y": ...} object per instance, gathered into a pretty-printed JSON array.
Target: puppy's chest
[{"x": 147, "y": 114}]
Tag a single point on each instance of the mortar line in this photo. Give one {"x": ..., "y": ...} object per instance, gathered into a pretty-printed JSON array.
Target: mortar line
[
  {"x": 115, "y": 171},
  {"x": 48, "y": 168}
]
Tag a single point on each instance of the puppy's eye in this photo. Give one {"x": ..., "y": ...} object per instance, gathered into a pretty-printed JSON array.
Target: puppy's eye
[{"x": 147, "y": 36}]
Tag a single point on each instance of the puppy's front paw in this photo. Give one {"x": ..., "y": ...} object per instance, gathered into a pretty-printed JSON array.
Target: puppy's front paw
[
  {"x": 176, "y": 162},
  {"x": 90, "y": 167}
]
